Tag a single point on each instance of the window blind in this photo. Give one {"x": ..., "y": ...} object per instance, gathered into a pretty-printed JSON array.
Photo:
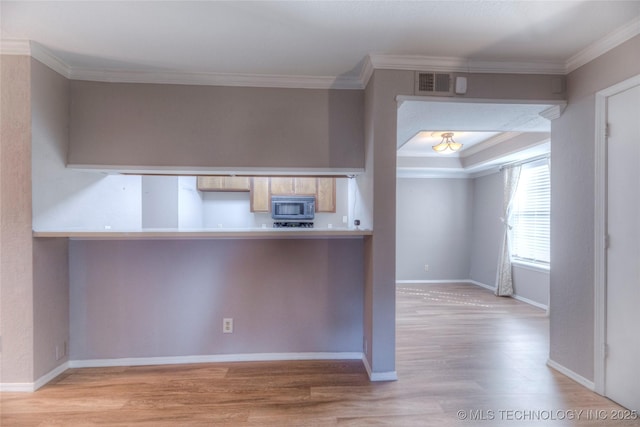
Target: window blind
[{"x": 531, "y": 214}]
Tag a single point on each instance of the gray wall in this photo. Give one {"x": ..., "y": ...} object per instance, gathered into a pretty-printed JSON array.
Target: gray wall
[
  {"x": 434, "y": 225},
  {"x": 572, "y": 216},
  {"x": 486, "y": 240},
  {"x": 49, "y": 128},
  {"x": 168, "y": 298},
  {"x": 16, "y": 247},
  {"x": 159, "y": 201},
  {"x": 50, "y": 304},
  {"x": 155, "y": 125},
  {"x": 454, "y": 226}
]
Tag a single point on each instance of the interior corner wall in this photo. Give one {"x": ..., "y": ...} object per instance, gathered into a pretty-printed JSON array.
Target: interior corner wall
[
  {"x": 573, "y": 208},
  {"x": 50, "y": 135},
  {"x": 486, "y": 240},
  {"x": 434, "y": 228},
  {"x": 63, "y": 198},
  {"x": 16, "y": 242},
  {"x": 381, "y": 113}
]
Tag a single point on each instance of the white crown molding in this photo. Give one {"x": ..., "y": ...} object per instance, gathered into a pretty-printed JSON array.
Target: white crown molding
[
  {"x": 15, "y": 47},
  {"x": 495, "y": 140},
  {"x": 553, "y": 112},
  {"x": 462, "y": 65},
  {"x": 50, "y": 60},
  {"x": 366, "y": 72},
  {"x": 602, "y": 46},
  {"x": 428, "y": 173},
  {"x": 215, "y": 79}
]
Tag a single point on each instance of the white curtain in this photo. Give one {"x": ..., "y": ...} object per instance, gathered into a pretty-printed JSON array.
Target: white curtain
[{"x": 504, "y": 281}]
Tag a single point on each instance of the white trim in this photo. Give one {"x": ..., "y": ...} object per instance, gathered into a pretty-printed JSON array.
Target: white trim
[
  {"x": 216, "y": 79},
  {"x": 482, "y": 285},
  {"x": 50, "y": 60},
  {"x": 15, "y": 47},
  {"x": 31, "y": 387},
  {"x": 378, "y": 376},
  {"x": 430, "y": 282},
  {"x": 541, "y": 268},
  {"x": 605, "y": 44},
  {"x": 213, "y": 358},
  {"x": 600, "y": 292},
  {"x": 426, "y": 173},
  {"x": 17, "y": 387},
  {"x": 366, "y": 72},
  {"x": 530, "y": 302},
  {"x": 462, "y": 65},
  {"x": 493, "y": 141},
  {"x": 553, "y": 112},
  {"x": 43, "y": 380},
  {"x": 600, "y": 228},
  {"x": 569, "y": 373}
]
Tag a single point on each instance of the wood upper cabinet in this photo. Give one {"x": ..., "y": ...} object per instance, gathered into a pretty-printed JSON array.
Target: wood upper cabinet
[
  {"x": 282, "y": 186},
  {"x": 262, "y": 188},
  {"x": 305, "y": 185},
  {"x": 326, "y": 195},
  {"x": 260, "y": 194},
  {"x": 223, "y": 183}
]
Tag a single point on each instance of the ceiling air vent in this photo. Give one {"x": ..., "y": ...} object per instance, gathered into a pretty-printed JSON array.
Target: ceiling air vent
[{"x": 434, "y": 84}]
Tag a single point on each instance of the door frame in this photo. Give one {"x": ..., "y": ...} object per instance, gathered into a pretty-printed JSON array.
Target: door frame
[{"x": 600, "y": 229}]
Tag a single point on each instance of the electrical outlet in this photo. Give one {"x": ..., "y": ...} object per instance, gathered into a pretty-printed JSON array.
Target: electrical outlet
[
  {"x": 364, "y": 346},
  {"x": 227, "y": 325},
  {"x": 61, "y": 350},
  {"x": 426, "y": 267}
]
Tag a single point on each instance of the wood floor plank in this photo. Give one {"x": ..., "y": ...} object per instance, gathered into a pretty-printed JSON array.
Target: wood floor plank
[{"x": 461, "y": 353}]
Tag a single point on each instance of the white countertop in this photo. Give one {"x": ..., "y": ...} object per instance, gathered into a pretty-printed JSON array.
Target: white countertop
[{"x": 213, "y": 233}]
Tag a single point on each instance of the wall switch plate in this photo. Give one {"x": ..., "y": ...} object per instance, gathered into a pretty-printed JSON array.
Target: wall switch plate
[
  {"x": 227, "y": 325},
  {"x": 426, "y": 267}
]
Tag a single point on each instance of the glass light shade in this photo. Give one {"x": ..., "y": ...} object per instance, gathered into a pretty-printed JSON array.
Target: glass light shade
[{"x": 447, "y": 145}]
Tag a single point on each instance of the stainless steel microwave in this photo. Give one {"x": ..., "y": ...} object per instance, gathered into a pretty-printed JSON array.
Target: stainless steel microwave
[{"x": 293, "y": 208}]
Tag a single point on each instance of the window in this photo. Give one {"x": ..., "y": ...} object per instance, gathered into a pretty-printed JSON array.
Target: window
[{"x": 530, "y": 214}]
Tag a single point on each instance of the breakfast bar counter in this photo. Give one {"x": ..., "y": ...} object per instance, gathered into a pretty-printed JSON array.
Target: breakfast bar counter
[{"x": 215, "y": 233}]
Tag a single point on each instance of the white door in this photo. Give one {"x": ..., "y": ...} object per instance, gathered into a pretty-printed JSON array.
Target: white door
[{"x": 622, "y": 366}]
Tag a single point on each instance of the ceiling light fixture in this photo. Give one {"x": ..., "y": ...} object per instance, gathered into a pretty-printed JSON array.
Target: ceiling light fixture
[{"x": 447, "y": 145}]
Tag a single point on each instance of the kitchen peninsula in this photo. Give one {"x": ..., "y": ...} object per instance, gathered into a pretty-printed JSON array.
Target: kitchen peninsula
[{"x": 112, "y": 279}]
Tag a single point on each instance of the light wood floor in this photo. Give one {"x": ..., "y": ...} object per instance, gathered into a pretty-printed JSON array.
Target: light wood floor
[{"x": 461, "y": 353}]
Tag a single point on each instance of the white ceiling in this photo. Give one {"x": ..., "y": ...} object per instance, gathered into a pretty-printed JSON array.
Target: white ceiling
[
  {"x": 307, "y": 39},
  {"x": 322, "y": 44}
]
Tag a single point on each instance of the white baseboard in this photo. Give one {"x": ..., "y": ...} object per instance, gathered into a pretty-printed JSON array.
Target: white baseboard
[
  {"x": 530, "y": 302},
  {"x": 569, "y": 373},
  {"x": 175, "y": 360},
  {"x": 482, "y": 285},
  {"x": 429, "y": 282},
  {"x": 142, "y": 361},
  {"x": 378, "y": 376},
  {"x": 31, "y": 387}
]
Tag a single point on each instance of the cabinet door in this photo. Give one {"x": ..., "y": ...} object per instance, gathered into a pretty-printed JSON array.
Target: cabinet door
[
  {"x": 282, "y": 186},
  {"x": 260, "y": 194},
  {"x": 326, "y": 196},
  {"x": 223, "y": 183},
  {"x": 305, "y": 186}
]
